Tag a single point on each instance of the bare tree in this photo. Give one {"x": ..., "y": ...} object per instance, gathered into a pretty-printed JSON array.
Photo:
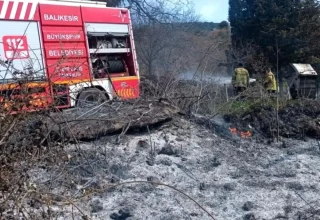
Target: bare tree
[{"x": 155, "y": 10}]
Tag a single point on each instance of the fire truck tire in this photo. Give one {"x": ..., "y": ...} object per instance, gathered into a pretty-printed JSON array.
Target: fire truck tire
[{"x": 90, "y": 97}]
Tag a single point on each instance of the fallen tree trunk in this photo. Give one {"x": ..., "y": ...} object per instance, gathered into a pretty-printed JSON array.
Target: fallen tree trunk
[
  {"x": 115, "y": 117},
  {"x": 89, "y": 124}
]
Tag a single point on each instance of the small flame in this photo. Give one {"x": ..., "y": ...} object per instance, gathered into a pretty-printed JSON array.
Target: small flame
[
  {"x": 246, "y": 134},
  {"x": 241, "y": 133},
  {"x": 233, "y": 130}
]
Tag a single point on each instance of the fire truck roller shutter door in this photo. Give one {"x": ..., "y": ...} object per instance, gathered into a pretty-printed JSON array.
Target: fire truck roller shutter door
[{"x": 107, "y": 28}]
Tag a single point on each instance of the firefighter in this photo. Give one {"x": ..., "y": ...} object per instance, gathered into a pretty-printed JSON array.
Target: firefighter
[
  {"x": 240, "y": 79},
  {"x": 269, "y": 82}
]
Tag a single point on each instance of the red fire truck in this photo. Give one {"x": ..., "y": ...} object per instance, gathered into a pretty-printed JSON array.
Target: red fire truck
[{"x": 65, "y": 53}]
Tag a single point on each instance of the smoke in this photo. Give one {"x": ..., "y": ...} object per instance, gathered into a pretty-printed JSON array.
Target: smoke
[
  {"x": 218, "y": 78},
  {"x": 208, "y": 78}
]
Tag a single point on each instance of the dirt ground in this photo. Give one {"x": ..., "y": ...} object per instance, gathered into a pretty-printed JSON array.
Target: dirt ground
[{"x": 230, "y": 178}]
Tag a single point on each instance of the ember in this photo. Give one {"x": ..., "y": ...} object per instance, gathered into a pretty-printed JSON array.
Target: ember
[
  {"x": 246, "y": 134},
  {"x": 241, "y": 133},
  {"x": 233, "y": 130}
]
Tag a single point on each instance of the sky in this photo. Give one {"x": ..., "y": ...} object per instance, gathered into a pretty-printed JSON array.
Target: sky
[{"x": 212, "y": 10}]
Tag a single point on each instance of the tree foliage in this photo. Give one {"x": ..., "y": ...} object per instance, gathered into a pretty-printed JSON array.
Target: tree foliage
[
  {"x": 223, "y": 25},
  {"x": 285, "y": 31}
]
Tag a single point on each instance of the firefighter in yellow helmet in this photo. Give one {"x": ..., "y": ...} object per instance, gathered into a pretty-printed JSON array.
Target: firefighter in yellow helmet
[
  {"x": 269, "y": 82},
  {"x": 240, "y": 79}
]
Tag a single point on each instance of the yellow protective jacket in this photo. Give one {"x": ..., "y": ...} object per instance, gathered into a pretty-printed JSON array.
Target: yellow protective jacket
[
  {"x": 240, "y": 77},
  {"x": 270, "y": 82}
]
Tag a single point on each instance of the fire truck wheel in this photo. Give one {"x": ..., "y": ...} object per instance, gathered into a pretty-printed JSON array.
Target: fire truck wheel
[{"x": 91, "y": 97}]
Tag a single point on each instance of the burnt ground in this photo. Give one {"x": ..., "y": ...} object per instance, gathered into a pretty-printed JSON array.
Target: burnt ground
[
  {"x": 298, "y": 120},
  {"x": 228, "y": 178},
  {"x": 45, "y": 176}
]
